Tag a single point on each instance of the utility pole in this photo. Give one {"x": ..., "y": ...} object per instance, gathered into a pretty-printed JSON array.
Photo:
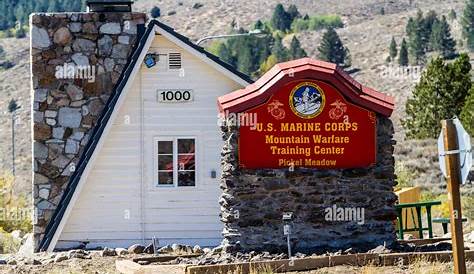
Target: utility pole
[
  {"x": 451, "y": 148},
  {"x": 12, "y": 108},
  {"x": 13, "y": 144}
]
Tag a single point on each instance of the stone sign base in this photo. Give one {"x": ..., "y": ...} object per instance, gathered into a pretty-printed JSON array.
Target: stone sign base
[{"x": 253, "y": 202}]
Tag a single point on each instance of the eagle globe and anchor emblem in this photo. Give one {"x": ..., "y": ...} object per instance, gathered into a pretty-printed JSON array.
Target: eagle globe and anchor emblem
[{"x": 307, "y": 100}]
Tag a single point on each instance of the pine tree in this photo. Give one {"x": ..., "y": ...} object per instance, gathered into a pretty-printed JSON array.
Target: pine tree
[
  {"x": 258, "y": 25},
  {"x": 155, "y": 12},
  {"x": 279, "y": 51},
  {"x": 440, "y": 94},
  {"x": 293, "y": 12},
  {"x": 296, "y": 51},
  {"x": 332, "y": 49},
  {"x": 467, "y": 113},
  {"x": 403, "y": 56},
  {"x": 417, "y": 49},
  {"x": 280, "y": 18},
  {"x": 245, "y": 60},
  {"x": 441, "y": 39},
  {"x": 55, "y": 6},
  {"x": 393, "y": 49},
  {"x": 427, "y": 24},
  {"x": 416, "y": 37},
  {"x": 468, "y": 24},
  {"x": 225, "y": 54}
]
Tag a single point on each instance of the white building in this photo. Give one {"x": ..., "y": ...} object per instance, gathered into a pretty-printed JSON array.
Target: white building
[{"x": 155, "y": 169}]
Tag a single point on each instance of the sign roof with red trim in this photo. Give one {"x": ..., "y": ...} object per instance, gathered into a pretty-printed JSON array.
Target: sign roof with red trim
[{"x": 259, "y": 92}]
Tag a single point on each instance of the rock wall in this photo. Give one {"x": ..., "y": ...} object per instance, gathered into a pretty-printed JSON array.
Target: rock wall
[
  {"x": 253, "y": 202},
  {"x": 76, "y": 60}
]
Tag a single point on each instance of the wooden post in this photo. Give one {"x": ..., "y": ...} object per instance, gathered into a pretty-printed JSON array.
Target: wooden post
[{"x": 453, "y": 172}]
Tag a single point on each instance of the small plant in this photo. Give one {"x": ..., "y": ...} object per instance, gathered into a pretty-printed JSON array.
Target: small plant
[
  {"x": 261, "y": 269},
  {"x": 197, "y": 6},
  {"x": 8, "y": 244},
  {"x": 405, "y": 177}
]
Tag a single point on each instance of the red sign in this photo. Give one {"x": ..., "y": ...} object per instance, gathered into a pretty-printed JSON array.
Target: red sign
[{"x": 308, "y": 124}]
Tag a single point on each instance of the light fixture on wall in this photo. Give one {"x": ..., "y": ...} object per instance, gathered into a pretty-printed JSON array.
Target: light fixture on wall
[{"x": 150, "y": 60}]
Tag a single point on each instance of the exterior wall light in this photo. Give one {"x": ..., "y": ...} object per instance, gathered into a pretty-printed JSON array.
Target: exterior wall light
[{"x": 150, "y": 60}]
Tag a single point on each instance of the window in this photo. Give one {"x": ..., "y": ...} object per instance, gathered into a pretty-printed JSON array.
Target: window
[{"x": 176, "y": 162}]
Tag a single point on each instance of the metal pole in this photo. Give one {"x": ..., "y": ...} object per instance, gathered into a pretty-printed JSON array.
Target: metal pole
[
  {"x": 13, "y": 144},
  {"x": 454, "y": 180},
  {"x": 289, "y": 245}
]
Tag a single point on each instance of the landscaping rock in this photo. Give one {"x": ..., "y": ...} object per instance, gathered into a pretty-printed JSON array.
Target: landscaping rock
[
  {"x": 177, "y": 248},
  {"x": 78, "y": 254},
  {"x": 197, "y": 250},
  {"x": 149, "y": 249},
  {"x": 380, "y": 250},
  {"x": 107, "y": 252},
  {"x": 31, "y": 261},
  {"x": 121, "y": 251},
  {"x": 136, "y": 249},
  {"x": 165, "y": 249},
  {"x": 60, "y": 257}
]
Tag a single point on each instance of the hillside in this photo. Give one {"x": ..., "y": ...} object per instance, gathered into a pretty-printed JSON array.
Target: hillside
[{"x": 367, "y": 34}]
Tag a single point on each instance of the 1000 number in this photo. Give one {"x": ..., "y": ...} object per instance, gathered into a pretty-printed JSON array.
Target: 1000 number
[{"x": 173, "y": 96}]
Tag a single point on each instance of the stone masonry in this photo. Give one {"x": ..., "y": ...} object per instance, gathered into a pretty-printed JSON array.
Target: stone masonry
[
  {"x": 76, "y": 60},
  {"x": 253, "y": 202}
]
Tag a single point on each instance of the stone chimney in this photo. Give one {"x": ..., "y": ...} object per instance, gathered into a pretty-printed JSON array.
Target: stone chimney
[{"x": 76, "y": 60}]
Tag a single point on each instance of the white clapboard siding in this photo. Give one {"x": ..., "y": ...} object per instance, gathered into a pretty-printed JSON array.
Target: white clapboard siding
[{"x": 109, "y": 210}]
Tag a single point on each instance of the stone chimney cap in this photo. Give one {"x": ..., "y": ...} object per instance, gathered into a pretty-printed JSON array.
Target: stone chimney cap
[{"x": 109, "y": 5}]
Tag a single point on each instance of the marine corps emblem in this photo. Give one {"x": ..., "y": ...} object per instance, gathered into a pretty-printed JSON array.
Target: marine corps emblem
[
  {"x": 307, "y": 100},
  {"x": 276, "y": 110}
]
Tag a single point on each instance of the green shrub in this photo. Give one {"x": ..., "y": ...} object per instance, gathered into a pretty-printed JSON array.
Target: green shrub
[
  {"x": 317, "y": 22},
  {"x": 467, "y": 113},
  {"x": 15, "y": 212},
  {"x": 405, "y": 176},
  {"x": 440, "y": 94},
  {"x": 8, "y": 244}
]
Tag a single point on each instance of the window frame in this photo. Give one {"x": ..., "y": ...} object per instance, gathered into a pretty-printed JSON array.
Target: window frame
[{"x": 174, "y": 140}]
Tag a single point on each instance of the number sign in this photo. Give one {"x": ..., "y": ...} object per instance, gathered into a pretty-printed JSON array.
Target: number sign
[{"x": 175, "y": 95}]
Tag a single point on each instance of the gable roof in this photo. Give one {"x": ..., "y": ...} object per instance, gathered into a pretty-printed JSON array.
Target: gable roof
[
  {"x": 306, "y": 68},
  {"x": 134, "y": 62}
]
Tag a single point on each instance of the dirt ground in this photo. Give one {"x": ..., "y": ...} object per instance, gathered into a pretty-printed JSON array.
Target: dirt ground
[{"x": 107, "y": 265}]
